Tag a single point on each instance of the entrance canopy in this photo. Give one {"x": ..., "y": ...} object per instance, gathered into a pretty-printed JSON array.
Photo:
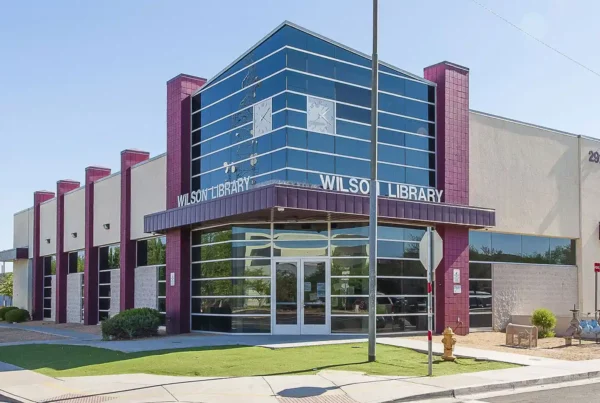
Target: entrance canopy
[
  {"x": 287, "y": 202},
  {"x": 10, "y": 255}
]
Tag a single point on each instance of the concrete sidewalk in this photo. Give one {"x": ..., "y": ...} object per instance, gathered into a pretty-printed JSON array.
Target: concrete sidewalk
[{"x": 326, "y": 386}]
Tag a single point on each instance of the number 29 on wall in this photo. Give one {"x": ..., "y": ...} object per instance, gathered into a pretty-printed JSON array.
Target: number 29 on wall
[{"x": 594, "y": 157}]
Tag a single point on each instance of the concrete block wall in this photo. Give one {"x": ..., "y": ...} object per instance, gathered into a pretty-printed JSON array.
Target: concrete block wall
[
  {"x": 146, "y": 290},
  {"x": 74, "y": 282},
  {"x": 519, "y": 289},
  {"x": 22, "y": 278},
  {"x": 115, "y": 292}
]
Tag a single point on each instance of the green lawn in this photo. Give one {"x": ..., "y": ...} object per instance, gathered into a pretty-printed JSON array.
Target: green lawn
[{"x": 62, "y": 360}]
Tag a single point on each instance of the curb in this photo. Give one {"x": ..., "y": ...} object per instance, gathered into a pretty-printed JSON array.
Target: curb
[{"x": 496, "y": 387}]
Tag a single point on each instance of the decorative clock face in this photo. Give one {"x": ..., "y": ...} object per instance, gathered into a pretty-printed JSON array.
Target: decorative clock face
[
  {"x": 320, "y": 115},
  {"x": 263, "y": 121}
]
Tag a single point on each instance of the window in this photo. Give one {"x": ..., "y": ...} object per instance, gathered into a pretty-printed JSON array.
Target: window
[
  {"x": 509, "y": 248},
  {"x": 108, "y": 259},
  {"x": 152, "y": 252},
  {"x": 77, "y": 262},
  {"x": 480, "y": 295},
  {"x": 49, "y": 266}
]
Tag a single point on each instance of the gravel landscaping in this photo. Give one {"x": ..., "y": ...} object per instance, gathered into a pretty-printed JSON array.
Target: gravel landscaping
[
  {"x": 13, "y": 335},
  {"x": 76, "y": 327},
  {"x": 551, "y": 347}
]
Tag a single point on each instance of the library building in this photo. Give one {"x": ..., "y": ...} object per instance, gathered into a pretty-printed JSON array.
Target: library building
[{"x": 255, "y": 219}]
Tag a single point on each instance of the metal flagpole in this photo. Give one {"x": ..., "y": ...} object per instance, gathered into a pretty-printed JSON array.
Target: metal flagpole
[
  {"x": 429, "y": 303},
  {"x": 373, "y": 196}
]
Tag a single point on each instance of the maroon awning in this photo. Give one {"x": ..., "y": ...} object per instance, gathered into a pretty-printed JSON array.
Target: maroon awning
[{"x": 286, "y": 202}]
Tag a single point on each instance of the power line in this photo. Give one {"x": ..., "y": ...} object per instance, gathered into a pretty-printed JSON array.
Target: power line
[{"x": 535, "y": 38}]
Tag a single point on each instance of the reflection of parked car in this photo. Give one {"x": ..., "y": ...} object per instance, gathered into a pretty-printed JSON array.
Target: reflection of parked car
[
  {"x": 390, "y": 305},
  {"x": 479, "y": 299}
]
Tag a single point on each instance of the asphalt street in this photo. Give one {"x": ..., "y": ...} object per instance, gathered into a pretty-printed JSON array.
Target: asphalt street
[{"x": 588, "y": 393}]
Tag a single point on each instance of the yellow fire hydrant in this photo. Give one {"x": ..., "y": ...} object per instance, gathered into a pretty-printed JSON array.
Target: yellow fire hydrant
[{"x": 449, "y": 341}]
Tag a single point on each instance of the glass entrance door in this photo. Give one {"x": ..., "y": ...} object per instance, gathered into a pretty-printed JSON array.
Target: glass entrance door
[{"x": 301, "y": 294}]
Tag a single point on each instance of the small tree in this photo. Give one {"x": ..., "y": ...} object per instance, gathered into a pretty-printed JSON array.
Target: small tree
[
  {"x": 545, "y": 320},
  {"x": 6, "y": 285}
]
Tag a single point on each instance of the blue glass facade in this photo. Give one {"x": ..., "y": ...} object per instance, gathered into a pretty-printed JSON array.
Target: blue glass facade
[{"x": 312, "y": 98}]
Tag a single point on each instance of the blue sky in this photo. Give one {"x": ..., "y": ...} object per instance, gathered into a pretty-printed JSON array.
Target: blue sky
[{"x": 80, "y": 81}]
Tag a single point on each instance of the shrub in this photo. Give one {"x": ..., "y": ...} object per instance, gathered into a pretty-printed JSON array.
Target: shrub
[
  {"x": 545, "y": 320},
  {"x": 17, "y": 315},
  {"x": 131, "y": 324},
  {"x": 6, "y": 309}
]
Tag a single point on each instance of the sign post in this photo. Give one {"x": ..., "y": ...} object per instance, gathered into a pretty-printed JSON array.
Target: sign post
[
  {"x": 430, "y": 255},
  {"x": 596, "y": 271}
]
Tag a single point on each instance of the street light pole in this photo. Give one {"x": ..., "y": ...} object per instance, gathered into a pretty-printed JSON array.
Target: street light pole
[{"x": 373, "y": 189}]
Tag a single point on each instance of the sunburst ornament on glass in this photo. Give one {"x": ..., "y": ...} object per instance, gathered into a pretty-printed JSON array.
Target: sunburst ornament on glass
[
  {"x": 263, "y": 121},
  {"x": 321, "y": 115}
]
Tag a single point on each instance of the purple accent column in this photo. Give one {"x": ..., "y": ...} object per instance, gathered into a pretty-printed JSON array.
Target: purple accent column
[
  {"x": 62, "y": 258},
  {"x": 129, "y": 158},
  {"x": 38, "y": 266},
  {"x": 452, "y": 119},
  {"x": 179, "y": 139},
  {"x": 90, "y": 288}
]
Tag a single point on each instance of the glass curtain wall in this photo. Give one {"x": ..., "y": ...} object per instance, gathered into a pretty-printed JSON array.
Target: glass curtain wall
[
  {"x": 231, "y": 275},
  {"x": 152, "y": 252},
  {"x": 49, "y": 263},
  {"x": 109, "y": 259},
  {"x": 77, "y": 265},
  {"x": 486, "y": 248},
  {"x": 313, "y": 99}
]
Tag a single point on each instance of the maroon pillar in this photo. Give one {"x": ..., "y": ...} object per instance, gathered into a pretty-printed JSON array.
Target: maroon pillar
[
  {"x": 62, "y": 259},
  {"x": 38, "y": 266},
  {"x": 90, "y": 288},
  {"x": 452, "y": 118},
  {"x": 128, "y": 159},
  {"x": 179, "y": 139}
]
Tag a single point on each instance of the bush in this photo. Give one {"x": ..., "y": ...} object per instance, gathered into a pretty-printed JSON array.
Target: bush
[
  {"x": 131, "y": 324},
  {"x": 545, "y": 320},
  {"x": 17, "y": 315},
  {"x": 5, "y": 310}
]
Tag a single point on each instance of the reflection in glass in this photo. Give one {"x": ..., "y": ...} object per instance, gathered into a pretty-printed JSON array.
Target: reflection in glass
[
  {"x": 349, "y": 305},
  {"x": 286, "y": 293},
  {"x": 246, "y": 306},
  {"x": 299, "y": 248},
  {"x": 258, "y": 287},
  {"x": 232, "y": 324},
  {"x": 349, "y": 324},
  {"x": 395, "y": 324},
  {"x": 349, "y": 248},
  {"x": 350, "y": 230},
  {"x": 232, "y": 268},
  {"x": 300, "y": 231},
  {"x": 349, "y": 286},
  {"x": 350, "y": 267},
  {"x": 315, "y": 297}
]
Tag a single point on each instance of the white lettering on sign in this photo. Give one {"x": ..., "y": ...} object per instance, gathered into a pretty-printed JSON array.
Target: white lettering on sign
[
  {"x": 214, "y": 192},
  {"x": 362, "y": 186}
]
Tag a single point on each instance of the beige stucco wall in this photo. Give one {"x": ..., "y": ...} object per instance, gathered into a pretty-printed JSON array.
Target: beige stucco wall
[
  {"x": 148, "y": 192},
  {"x": 107, "y": 209},
  {"x": 48, "y": 227},
  {"x": 74, "y": 220},
  {"x": 22, "y": 280},
  {"x": 519, "y": 289},
  {"x": 528, "y": 174},
  {"x": 589, "y": 245},
  {"x": 21, "y": 229}
]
